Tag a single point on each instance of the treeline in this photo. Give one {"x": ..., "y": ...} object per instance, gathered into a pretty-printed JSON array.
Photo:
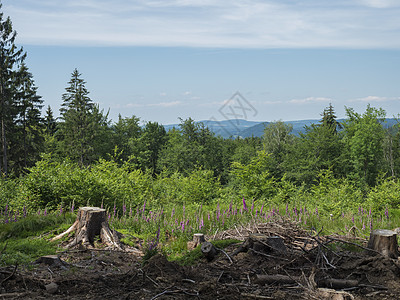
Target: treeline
[{"x": 83, "y": 156}]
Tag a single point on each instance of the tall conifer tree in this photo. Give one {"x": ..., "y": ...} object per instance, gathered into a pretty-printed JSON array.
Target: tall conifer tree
[{"x": 10, "y": 59}]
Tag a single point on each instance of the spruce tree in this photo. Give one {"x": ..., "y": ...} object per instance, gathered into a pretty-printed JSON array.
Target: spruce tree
[
  {"x": 10, "y": 59},
  {"x": 29, "y": 122},
  {"x": 81, "y": 122},
  {"x": 50, "y": 122}
]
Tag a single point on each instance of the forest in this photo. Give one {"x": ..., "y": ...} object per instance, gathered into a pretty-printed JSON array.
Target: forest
[{"x": 82, "y": 157}]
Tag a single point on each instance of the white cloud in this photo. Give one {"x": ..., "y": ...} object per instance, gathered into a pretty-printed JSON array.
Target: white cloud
[
  {"x": 370, "y": 99},
  {"x": 159, "y": 104},
  {"x": 310, "y": 100},
  {"x": 380, "y": 3},
  {"x": 165, "y": 104},
  {"x": 208, "y": 23}
]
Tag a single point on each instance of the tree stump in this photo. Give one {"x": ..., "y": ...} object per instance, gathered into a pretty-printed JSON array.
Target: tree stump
[
  {"x": 198, "y": 239},
  {"x": 261, "y": 243},
  {"x": 208, "y": 250},
  {"x": 91, "y": 222},
  {"x": 385, "y": 242}
]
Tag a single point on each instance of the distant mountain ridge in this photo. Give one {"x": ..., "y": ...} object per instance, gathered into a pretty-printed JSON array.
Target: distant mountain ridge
[{"x": 242, "y": 128}]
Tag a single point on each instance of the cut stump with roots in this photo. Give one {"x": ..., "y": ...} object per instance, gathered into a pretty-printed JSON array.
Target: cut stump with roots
[{"x": 91, "y": 222}]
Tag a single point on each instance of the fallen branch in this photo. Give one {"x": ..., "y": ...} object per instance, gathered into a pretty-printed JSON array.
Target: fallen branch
[{"x": 11, "y": 275}]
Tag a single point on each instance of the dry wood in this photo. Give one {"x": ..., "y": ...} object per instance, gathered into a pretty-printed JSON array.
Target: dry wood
[
  {"x": 281, "y": 279},
  {"x": 338, "y": 283},
  {"x": 50, "y": 260},
  {"x": 385, "y": 242},
  {"x": 91, "y": 222}
]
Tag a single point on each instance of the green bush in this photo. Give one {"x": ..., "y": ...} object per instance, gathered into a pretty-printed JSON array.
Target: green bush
[
  {"x": 254, "y": 180},
  {"x": 386, "y": 194}
]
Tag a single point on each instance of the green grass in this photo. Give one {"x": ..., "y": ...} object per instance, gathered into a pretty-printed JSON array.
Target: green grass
[{"x": 24, "y": 241}]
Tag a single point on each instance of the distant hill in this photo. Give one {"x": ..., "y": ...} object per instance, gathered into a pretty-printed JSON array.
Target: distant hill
[
  {"x": 243, "y": 128},
  {"x": 225, "y": 128}
]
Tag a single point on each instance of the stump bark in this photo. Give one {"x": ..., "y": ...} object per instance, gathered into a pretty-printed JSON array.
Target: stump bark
[
  {"x": 385, "y": 242},
  {"x": 91, "y": 222},
  {"x": 208, "y": 250}
]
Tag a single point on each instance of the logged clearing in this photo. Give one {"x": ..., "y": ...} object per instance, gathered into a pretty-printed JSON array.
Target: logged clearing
[{"x": 305, "y": 266}]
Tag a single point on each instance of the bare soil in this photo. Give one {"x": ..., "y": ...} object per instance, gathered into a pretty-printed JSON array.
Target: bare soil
[{"x": 309, "y": 260}]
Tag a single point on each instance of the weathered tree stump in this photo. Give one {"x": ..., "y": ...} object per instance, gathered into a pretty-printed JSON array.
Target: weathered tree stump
[
  {"x": 91, "y": 222},
  {"x": 261, "y": 243},
  {"x": 385, "y": 242},
  {"x": 198, "y": 239},
  {"x": 208, "y": 250}
]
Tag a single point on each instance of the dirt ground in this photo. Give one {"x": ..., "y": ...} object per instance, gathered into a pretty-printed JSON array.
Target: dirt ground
[{"x": 309, "y": 262}]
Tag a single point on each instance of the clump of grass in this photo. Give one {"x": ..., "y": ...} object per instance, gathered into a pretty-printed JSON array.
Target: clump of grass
[
  {"x": 24, "y": 251},
  {"x": 34, "y": 225}
]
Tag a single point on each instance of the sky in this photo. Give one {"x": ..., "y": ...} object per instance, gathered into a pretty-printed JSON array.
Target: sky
[{"x": 260, "y": 60}]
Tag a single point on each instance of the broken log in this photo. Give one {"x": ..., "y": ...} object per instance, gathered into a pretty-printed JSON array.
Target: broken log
[
  {"x": 208, "y": 250},
  {"x": 91, "y": 222},
  {"x": 385, "y": 242},
  {"x": 285, "y": 279},
  {"x": 277, "y": 279}
]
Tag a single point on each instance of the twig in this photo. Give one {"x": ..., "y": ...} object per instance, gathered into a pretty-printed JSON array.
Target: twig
[
  {"x": 220, "y": 275},
  {"x": 151, "y": 280},
  {"x": 189, "y": 280},
  {"x": 255, "y": 296},
  {"x": 178, "y": 290},
  {"x": 354, "y": 244},
  {"x": 230, "y": 259},
  {"x": 4, "y": 248},
  {"x": 12, "y": 274},
  {"x": 267, "y": 255}
]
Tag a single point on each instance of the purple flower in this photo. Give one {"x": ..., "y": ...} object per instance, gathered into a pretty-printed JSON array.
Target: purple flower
[
  {"x": 244, "y": 204},
  {"x": 387, "y": 213}
]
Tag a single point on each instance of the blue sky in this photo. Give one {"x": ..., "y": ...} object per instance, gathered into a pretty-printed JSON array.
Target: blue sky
[{"x": 164, "y": 59}]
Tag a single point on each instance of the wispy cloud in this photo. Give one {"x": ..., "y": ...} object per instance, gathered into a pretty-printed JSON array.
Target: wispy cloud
[
  {"x": 370, "y": 99},
  {"x": 310, "y": 100},
  {"x": 208, "y": 23},
  {"x": 159, "y": 104}
]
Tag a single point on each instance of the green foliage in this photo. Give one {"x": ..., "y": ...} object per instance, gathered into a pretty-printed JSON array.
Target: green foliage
[
  {"x": 51, "y": 183},
  {"x": 386, "y": 194},
  {"x": 254, "y": 180},
  {"x": 335, "y": 195},
  {"x": 199, "y": 187},
  {"x": 364, "y": 138}
]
